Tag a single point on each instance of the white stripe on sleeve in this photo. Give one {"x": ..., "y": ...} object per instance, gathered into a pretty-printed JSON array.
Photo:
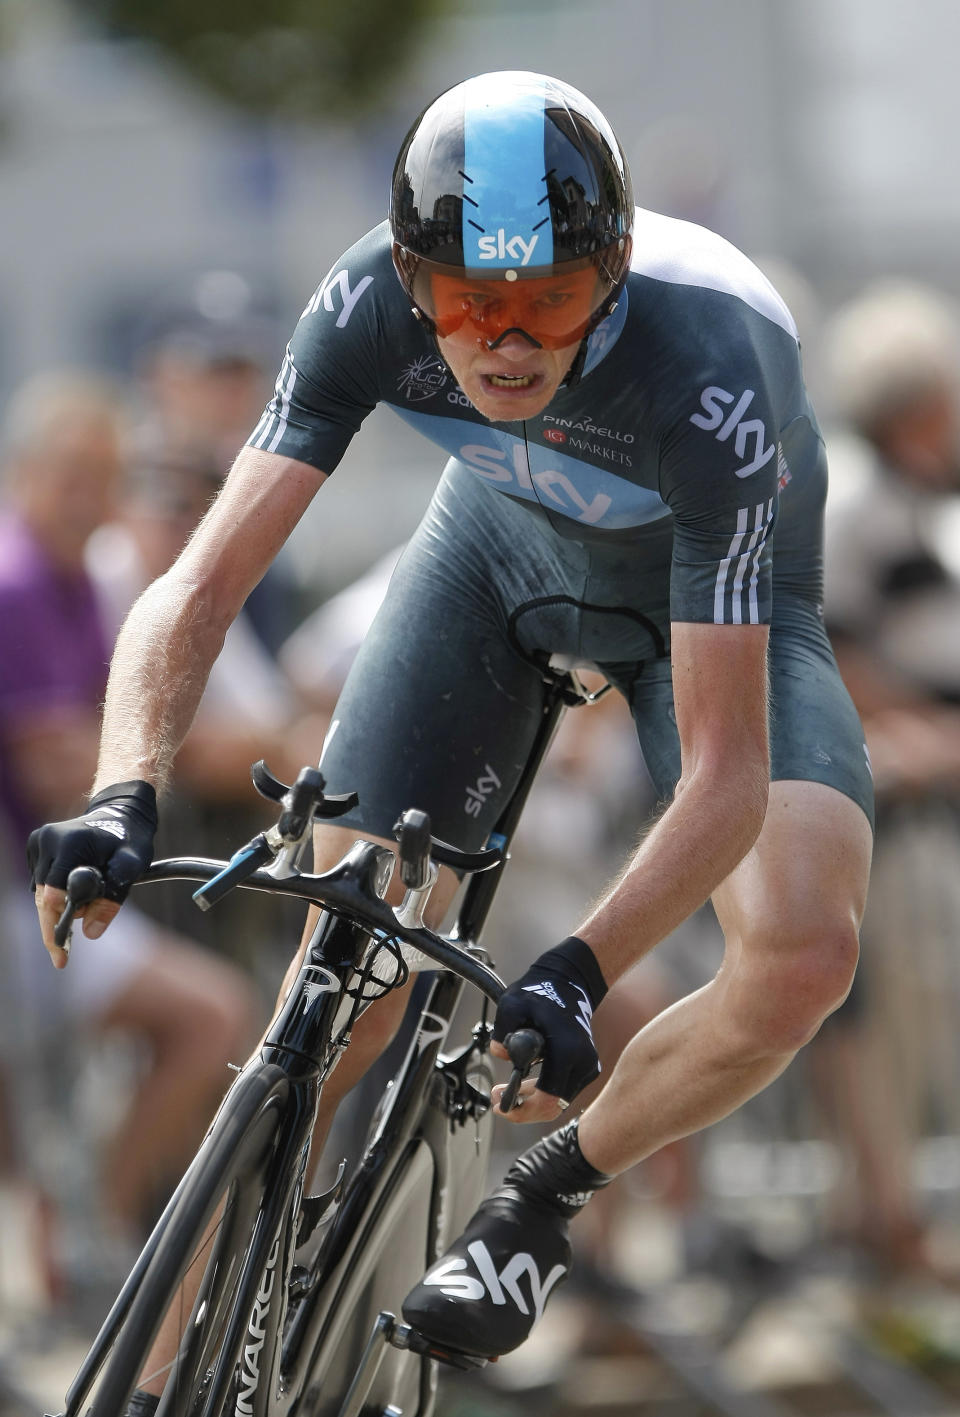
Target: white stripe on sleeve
[
  {"x": 284, "y": 410},
  {"x": 755, "y": 572},
  {"x": 746, "y": 554},
  {"x": 719, "y": 592},
  {"x": 274, "y": 419},
  {"x": 750, "y": 555}
]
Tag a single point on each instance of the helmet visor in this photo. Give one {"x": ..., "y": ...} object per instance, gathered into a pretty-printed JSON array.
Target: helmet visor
[{"x": 553, "y": 310}]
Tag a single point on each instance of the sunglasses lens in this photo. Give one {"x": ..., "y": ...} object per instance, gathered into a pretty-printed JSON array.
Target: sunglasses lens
[{"x": 553, "y": 310}]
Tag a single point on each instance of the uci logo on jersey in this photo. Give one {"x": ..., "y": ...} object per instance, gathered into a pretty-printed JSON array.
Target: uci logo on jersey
[
  {"x": 497, "y": 247},
  {"x": 713, "y": 400}
]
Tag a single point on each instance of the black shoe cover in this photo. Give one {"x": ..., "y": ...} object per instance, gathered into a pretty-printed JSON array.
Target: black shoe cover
[
  {"x": 487, "y": 1292},
  {"x": 141, "y": 1404}
]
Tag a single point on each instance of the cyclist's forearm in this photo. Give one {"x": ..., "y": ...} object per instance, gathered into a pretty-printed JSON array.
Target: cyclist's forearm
[
  {"x": 160, "y": 667},
  {"x": 705, "y": 832}
]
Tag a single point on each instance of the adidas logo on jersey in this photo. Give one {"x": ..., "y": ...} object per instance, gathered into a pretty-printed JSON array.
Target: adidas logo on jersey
[
  {"x": 546, "y": 989},
  {"x": 500, "y": 1286}
]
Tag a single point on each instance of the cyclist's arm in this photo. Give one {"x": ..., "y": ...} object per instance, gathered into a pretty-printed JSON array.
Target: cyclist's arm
[
  {"x": 175, "y": 631},
  {"x": 721, "y": 592},
  {"x": 720, "y": 694}
]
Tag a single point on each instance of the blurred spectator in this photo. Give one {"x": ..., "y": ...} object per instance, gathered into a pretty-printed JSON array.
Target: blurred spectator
[
  {"x": 317, "y": 655},
  {"x": 893, "y": 608},
  {"x": 190, "y": 1012},
  {"x": 892, "y": 560},
  {"x": 207, "y": 360},
  {"x": 203, "y": 366}
]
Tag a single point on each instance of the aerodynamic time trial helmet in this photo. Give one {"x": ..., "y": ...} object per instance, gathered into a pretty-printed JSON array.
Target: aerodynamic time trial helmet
[{"x": 512, "y": 209}]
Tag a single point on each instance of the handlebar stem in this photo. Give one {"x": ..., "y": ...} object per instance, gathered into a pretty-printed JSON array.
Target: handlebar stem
[
  {"x": 411, "y": 909},
  {"x": 287, "y": 860}
]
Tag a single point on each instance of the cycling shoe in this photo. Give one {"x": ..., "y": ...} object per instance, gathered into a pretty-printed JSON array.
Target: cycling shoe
[
  {"x": 486, "y": 1293},
  {"x": 141, "y": 1404}
]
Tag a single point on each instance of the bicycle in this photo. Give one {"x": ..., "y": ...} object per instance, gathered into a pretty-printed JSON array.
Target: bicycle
[{"x": 295, "y": 1313}]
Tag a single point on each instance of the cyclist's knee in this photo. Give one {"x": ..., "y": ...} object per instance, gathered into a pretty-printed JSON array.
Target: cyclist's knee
[{"x": 778, "y": 994}]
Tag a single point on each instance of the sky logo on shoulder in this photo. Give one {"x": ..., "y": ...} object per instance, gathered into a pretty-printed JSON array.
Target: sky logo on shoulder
[
  {"x": 723, "y": 424},
  {"x": 349, "y": 295},
  {"x": 494, "y": 248}
]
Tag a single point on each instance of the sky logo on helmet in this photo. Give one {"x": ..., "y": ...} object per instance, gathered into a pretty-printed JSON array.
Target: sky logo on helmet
[{"x": 499, "y": 248}]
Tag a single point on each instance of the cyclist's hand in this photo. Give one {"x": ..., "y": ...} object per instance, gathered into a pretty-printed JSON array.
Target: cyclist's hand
[
  {"x": 557, "y": 997},
  {"x": 115, "y": 834}
]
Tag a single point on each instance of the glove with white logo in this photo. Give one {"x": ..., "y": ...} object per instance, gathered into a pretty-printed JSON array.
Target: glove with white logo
[
  {"x": 557, "y": 997},
  {"x": 115, "y": 834}
]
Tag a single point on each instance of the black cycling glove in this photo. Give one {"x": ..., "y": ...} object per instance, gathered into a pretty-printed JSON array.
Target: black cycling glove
[
  {"x": 115, "y": 834},
  {"x": 557, "y": 997}
]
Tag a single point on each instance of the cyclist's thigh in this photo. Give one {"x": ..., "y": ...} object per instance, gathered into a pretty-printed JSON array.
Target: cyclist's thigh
[
  {"x": 805, "y": 877},
  {"x": 439, "y": 709},
  {"x": 815, "y": 732}
]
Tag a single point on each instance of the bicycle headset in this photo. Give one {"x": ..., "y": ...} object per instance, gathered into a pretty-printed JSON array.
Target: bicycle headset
[{"x": 511, "y": 212}]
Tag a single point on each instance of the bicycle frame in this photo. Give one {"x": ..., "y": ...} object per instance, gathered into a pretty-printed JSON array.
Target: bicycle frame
[{"x": 298, "y": 1315}]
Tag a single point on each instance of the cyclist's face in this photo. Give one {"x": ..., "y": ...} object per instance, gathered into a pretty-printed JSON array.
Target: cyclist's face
[{"x": 510, "y": 346}]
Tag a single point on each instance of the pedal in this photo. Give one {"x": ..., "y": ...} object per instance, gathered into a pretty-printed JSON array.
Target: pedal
[{"x": 402, "y": 1335}]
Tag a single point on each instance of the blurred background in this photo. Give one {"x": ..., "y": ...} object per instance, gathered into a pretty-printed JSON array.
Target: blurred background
[{"x": 175, "y": 180}]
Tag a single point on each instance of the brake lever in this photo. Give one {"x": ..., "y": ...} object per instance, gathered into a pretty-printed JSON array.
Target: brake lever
[
  {"x": 84, "y": 886},
  {"x": 525, "y": 1047}
]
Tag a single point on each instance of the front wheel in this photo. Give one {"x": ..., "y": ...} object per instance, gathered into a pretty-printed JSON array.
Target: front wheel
[{"x": 181, "y": 1331}]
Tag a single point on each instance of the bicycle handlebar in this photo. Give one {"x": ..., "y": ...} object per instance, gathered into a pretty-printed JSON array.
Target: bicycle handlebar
[
  {"x": 238, "y": 869},
  {"x": 332, "y": 890},
  {"x": 337, "y": 890},
  {"x": 339, "y": 893}
]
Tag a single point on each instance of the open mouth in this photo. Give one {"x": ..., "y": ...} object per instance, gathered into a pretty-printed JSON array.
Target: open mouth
[{"x": 512, "y": 381}]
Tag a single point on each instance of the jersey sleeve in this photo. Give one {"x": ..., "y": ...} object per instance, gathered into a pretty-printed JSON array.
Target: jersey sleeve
[
  {"x": 328, "y": 381},
  {"x": 719, "y": 473}
]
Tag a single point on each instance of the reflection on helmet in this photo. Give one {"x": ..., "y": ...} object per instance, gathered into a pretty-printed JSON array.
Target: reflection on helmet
[{"x": 512, "y": 177}]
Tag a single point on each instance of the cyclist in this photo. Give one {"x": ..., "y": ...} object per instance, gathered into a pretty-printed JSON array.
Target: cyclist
[{"x": 636, "y": 480}]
